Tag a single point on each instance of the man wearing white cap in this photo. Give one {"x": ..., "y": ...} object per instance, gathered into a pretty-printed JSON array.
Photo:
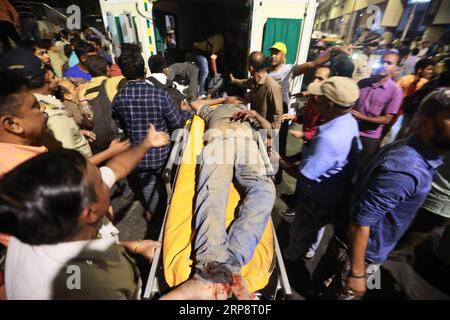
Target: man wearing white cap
[{"x": 327, "y": 164}]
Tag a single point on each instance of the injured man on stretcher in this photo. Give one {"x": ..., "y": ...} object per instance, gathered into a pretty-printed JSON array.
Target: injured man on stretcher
[{"x": 231, "y": 155}]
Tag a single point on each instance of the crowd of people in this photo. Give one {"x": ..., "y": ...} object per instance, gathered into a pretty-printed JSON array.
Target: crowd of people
[{"x": 74, "y": 122}]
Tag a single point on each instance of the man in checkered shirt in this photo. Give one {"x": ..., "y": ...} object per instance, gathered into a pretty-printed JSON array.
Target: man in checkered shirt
[{"x": 135, "y": 106}]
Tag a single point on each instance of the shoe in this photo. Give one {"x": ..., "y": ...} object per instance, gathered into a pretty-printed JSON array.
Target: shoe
[
  {"x": 203, "y": 96},
  {"x": 288, "y": 213},
  {"x": 310, "y": 254}
]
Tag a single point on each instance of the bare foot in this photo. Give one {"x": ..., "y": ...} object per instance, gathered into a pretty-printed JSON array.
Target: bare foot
[
  {"x": 239, "y": 288},
  {"x": 197, "y": 289}
]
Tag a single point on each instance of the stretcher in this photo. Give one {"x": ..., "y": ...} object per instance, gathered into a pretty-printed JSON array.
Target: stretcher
[{"x": 265, "y": 274}]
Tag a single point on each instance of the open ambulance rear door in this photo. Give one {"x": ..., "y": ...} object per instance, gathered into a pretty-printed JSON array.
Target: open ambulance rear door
[{"x": 288, "y": 21}]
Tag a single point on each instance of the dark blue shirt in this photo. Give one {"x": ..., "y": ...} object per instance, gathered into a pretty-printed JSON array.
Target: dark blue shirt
[
  {"x": 329, "y": 160},
  {"x": 391, "y": 192},
  {"x": 138, "y": 104}
]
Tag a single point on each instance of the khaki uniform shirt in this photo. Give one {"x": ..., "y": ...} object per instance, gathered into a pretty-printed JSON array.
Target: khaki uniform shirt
[
  {"x": 265, "y": 97},
  {"x": 62, "y": 128}
]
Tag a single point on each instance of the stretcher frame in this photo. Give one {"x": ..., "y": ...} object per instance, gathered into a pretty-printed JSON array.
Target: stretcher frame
[{"x": 152, "y": 288}]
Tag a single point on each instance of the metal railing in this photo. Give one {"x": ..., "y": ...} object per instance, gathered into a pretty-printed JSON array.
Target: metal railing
[{"x": 45, "y": 12}]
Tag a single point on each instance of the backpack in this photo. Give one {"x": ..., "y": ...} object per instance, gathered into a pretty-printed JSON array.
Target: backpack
[
  {"x": 104, "y": 126},
  {"x": 176, "y": 96},
  {"x": 216, "y": 86}
]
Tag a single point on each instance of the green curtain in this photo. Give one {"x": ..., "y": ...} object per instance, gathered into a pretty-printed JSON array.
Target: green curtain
[
  {"x": 282, "y": 30},
  {"x": 135, "y": 30},
  {"x": 119, "y": 29},
  {"x": 160, "y": 45}
]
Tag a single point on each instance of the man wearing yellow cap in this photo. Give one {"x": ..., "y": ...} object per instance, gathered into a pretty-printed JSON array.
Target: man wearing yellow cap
[
  {"x": 280, "y": 71},
  {"x": 283, "y": 73}
]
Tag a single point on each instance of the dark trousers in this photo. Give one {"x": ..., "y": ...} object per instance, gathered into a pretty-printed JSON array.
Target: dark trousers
[
  {"x": 146, "y": 185},
  {"x": 422, "y": 229},
  {"x": 310, "y": 217},
  {"x": 7, "y": 30},
  {"x": 281, "y": 142},
  {"x": 408, "y": 126},
  {"x": 329, "y": 277},
  {"x": 189, "y": 71},
  {"x": 370, "y": 148}
]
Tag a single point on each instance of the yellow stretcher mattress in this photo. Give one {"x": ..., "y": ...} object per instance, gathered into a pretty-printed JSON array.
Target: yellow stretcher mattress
[{"x": 179, "y": 233}]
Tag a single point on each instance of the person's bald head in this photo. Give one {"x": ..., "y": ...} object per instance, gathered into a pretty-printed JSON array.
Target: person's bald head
[{"x": 256, "y": 61}]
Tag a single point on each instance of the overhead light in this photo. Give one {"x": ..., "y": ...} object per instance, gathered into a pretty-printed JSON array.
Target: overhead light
[{"x": 376, "y": 65}]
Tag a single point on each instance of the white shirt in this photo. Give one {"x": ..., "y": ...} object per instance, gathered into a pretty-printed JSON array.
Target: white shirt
[
  {"x": 31, "y": 269},
  {"x": 283, "y": 76}
]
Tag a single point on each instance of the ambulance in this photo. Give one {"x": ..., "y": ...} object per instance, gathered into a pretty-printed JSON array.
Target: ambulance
[{"x": 169, "y": 27}]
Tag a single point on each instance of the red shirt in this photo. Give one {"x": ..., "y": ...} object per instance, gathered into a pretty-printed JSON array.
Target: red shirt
[{"x": 311, "y": 119}]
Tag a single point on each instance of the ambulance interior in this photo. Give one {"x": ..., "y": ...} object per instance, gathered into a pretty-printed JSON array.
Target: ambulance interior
[
  {"x": 179, "y": 23},
  {"x": 169, "y": 27}
]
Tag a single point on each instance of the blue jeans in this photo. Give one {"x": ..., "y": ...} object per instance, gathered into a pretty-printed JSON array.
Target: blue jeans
[
  {"x": 204, "y": 70},
  {"x": 145, "y": 186},
  {"x": 212, "y": 244}
]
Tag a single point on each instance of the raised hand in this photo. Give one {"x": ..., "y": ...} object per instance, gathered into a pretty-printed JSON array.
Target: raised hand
[{"x": 155, "y": 139}]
